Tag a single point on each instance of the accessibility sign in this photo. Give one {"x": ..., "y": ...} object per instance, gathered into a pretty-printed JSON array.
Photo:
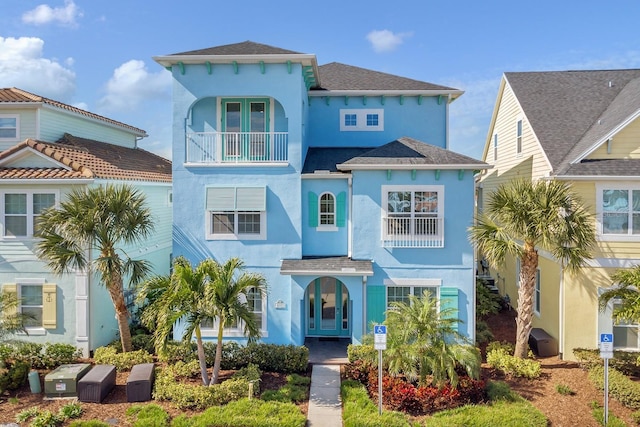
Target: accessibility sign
[
  {"x": 606, "y": 346},
  {"x": 380, "y": 337}
]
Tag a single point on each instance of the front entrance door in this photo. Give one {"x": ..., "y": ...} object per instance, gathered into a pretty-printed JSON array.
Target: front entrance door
[{"x": 328, "y": 308}]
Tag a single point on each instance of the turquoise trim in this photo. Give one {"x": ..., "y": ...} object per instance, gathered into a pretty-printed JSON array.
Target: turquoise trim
[
  {"x": 460, "y": 174},
  {"x": 420, "y": 100},
  {"x": 413, "y": 175},
  {"x": 382, "y": 99},
  {"x": 341, "y": 209},
  {"x": 364, "y": 100},
  {"x": 440, "y": 99},
  {"x": 388, "y": 174},
  {"x": 289, "y": 66},
  {"x": 261, "y": 67},
  {"x": 437, "y": 174},
  {"x": 376, "y": 305},
  {"x": 346, "y": 100},
  {"x": 235, "y": 67},
  {"x": 401, "y": 99},
  {"x": 181, "y": 66},
  {"x": 313, "y": 209},
  {"x": 208, "y": 64},
  {"x": 327, "y": 99}
]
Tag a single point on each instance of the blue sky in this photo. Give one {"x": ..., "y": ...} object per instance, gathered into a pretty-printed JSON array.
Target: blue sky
[{"x": 97, "y": 54}]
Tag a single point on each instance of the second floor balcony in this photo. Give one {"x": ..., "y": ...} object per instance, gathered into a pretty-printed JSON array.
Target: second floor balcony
[
  {"x": 215, "y": 148},
  {"x": 412, "y": 232}
]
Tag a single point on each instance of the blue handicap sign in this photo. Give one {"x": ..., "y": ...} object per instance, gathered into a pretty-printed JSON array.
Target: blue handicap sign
[
  {"x": 380, "y": 329},
  {"x": 606, "y": 337}
]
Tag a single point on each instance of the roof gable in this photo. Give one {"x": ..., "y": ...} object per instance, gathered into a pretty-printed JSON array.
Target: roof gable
[
  {"x": 74, "y": 158},
  {"x": 243, "y": 48},
  {"x": 10, "y": 96}
]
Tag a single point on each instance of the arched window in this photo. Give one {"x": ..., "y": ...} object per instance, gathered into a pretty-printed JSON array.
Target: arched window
[{"x": 327, "y": 209}]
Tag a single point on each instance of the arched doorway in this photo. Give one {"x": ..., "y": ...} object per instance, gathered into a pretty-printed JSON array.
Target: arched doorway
[{"x": 328, "y": 308}]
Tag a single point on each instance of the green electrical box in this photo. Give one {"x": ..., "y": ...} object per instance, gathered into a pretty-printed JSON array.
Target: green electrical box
[{"x": 63, "y": 381}]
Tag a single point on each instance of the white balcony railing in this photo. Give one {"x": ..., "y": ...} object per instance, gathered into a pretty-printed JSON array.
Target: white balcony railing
[
  {"x": 417, "y": 232},
  {"x": 236, "y": 147}
]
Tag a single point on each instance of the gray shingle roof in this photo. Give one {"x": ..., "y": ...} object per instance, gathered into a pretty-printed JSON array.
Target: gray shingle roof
[
  {"x": 408, "y": 152},
  {"x": 336, "y": 76},
  {"x": 327, "y": 158},
  {"x": 605, "y": 167},
  {"x": 338, "y": 265},
  {"x": 564, "y": 107},
  {"x": 243, "y": 48}
]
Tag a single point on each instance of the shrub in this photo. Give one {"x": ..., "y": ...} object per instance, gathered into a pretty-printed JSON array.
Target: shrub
[
  {"x": 278, "y": 358},
  {"x": 364, "y": 352},
  {"x": 178, "y": 350},
  {"x": 499, "y": 358},
  {"x": 143, "y": 342},
  {"x": 14, "y": 376},
  {"x": 233, "y": 355},
  {"x": 46, "y": 419},
  {"x": 90, "y": 423},
  {"x": 598, "y": 414},
  {"x": 487, "y": 302},
  {"x": 621, "y": 387},
  {"x": 122, "y": 361},
  {"x": 181, "y": 369},
  {"x": 41, "y": 356},
  {"x": 635, "y": 416},
  {"x": 71, "y": 410},
  {"x": 151, "y": 415},
  {"x": 27, "y": 414},
  {"x": 623, "y": 361},
  {"x": 358, "y": 370},
  {"x": 250, "y": 372}
]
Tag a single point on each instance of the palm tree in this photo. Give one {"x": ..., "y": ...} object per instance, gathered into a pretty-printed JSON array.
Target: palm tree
[
  {"x": 422, "y": 342},
  {"x": 230, "y": 299},
  {"x": 183, "y": 296},
  {"x": 627, "y": 293},
  {"x": 11, "y": 321},
  {"x": 523, "y": 216},
  {"x": 87, "y": 232}
]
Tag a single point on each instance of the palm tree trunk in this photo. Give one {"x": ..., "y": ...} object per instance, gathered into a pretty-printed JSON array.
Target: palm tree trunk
[
  {"x": 218, "y": 361},
  {"x": 201, "y": 357},
  {"x": 122, "y": 314},
  {"x": 528, "y": 266}
]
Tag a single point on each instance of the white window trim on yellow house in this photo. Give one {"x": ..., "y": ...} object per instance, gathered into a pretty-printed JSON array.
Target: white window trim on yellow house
[
  {"x": 615, "y": 237},
  {"x": 607, "y": 325},
  {"x": 49, "y": 301}
]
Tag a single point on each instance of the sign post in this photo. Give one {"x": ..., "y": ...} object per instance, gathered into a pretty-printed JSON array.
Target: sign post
[
  {"x": 380, "y": 343},
  {"x": 606, "y": 352}
]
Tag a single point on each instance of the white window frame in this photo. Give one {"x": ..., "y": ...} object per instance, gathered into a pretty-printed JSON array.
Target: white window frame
[
  {"x": 16, "y": 117},
  {"x": 519, "y": 130},
  {"x": 624, "y": 325},
  {"x": 332, "y": 226},
  {"x": 610, "y": 237},
  {"x": 31, "y": 330},
  {"x": 29, "y": 214},
  {"x": 238, "y": 330},
  {"x": 495, "y": 146},
  {"x": 537, "y": 293},
  {"x": 235, "y": 212},
  {"x": 412, "y": 284},
  {"x": 439, "y": 215},
  {"x": 361, "y": 120}
]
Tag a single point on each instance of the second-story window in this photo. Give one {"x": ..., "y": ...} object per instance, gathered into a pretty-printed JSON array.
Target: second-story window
[
  {"x": 236, "y": 213},
  {"x": 495, "y": 146},
  {"x": 363, "y": 120},
  {"x": 9, "y": 127},
  {"x": 327, "y": 209},
  {"x": 519, "y": 137},
  {"x": 619, "y": 210},
  {"x": 20, "y": 212}
]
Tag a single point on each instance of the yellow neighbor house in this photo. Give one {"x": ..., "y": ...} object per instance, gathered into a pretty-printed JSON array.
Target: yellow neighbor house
[{"x": 582, "y": 127}]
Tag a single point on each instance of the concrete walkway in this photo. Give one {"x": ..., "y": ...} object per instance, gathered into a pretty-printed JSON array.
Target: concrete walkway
[{"x": 325, "y": 406}]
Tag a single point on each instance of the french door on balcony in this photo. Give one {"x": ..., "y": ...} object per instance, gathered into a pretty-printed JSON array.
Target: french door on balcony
[{"x": 245, "y": 124}]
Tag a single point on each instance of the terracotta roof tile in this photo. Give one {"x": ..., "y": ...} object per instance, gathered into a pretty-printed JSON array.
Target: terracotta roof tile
[
  {"x": 10, "y": 95},
  {"x": 86, "y": 158}
]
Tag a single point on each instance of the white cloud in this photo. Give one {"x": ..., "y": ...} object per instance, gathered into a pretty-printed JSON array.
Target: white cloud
[
  {"x": 45, "y": 14},
  {"x": 385, "y": 40},
  {"x": 132, "y": 84},
  {"x": 22, "y": 66}
]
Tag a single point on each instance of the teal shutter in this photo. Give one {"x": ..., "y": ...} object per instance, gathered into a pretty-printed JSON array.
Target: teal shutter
[
  {"x": 449, "y": 301},
  {"x": 341, "y": 208},
  {"x": 376, "y": 305},
  {"x": 313, "y": 209}
]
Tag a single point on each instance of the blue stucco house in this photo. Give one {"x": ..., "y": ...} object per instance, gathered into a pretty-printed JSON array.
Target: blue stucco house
[{"x": 334, "y": 182}]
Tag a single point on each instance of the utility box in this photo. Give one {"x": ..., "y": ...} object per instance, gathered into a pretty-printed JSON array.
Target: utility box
[
  {"x": 543, "y": 344},
  {"x": 63, "y": 381},
  {"x": 140, "y": 382},
  {"x": 97, "y": 384}
]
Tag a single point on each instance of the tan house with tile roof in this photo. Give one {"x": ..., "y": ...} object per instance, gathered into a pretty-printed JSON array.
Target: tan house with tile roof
[
  {"x": 48, "y": 149},
  {"x": 582, "y": 127}
]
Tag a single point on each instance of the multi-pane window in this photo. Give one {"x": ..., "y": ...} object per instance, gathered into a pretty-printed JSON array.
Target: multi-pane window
[
  {"x": 400, "y": 294},
  {"x": 256, "y": 305},
  {"x": 8, "y": 127},
  {"x": 21, "y": 212},
  {"x": 31, "y": 305},
  {"x": 519, "y": 137},
  {"x": 362, "y": 119},
  {"x": 620, "y": 211},
  {"x": 350, "y": 120},
  {"x": 327, "y": 209},
  {"x": 625, "y": 333},
  {"x": 236, "y": 212},
  {"x": 412, "y": 212}
]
